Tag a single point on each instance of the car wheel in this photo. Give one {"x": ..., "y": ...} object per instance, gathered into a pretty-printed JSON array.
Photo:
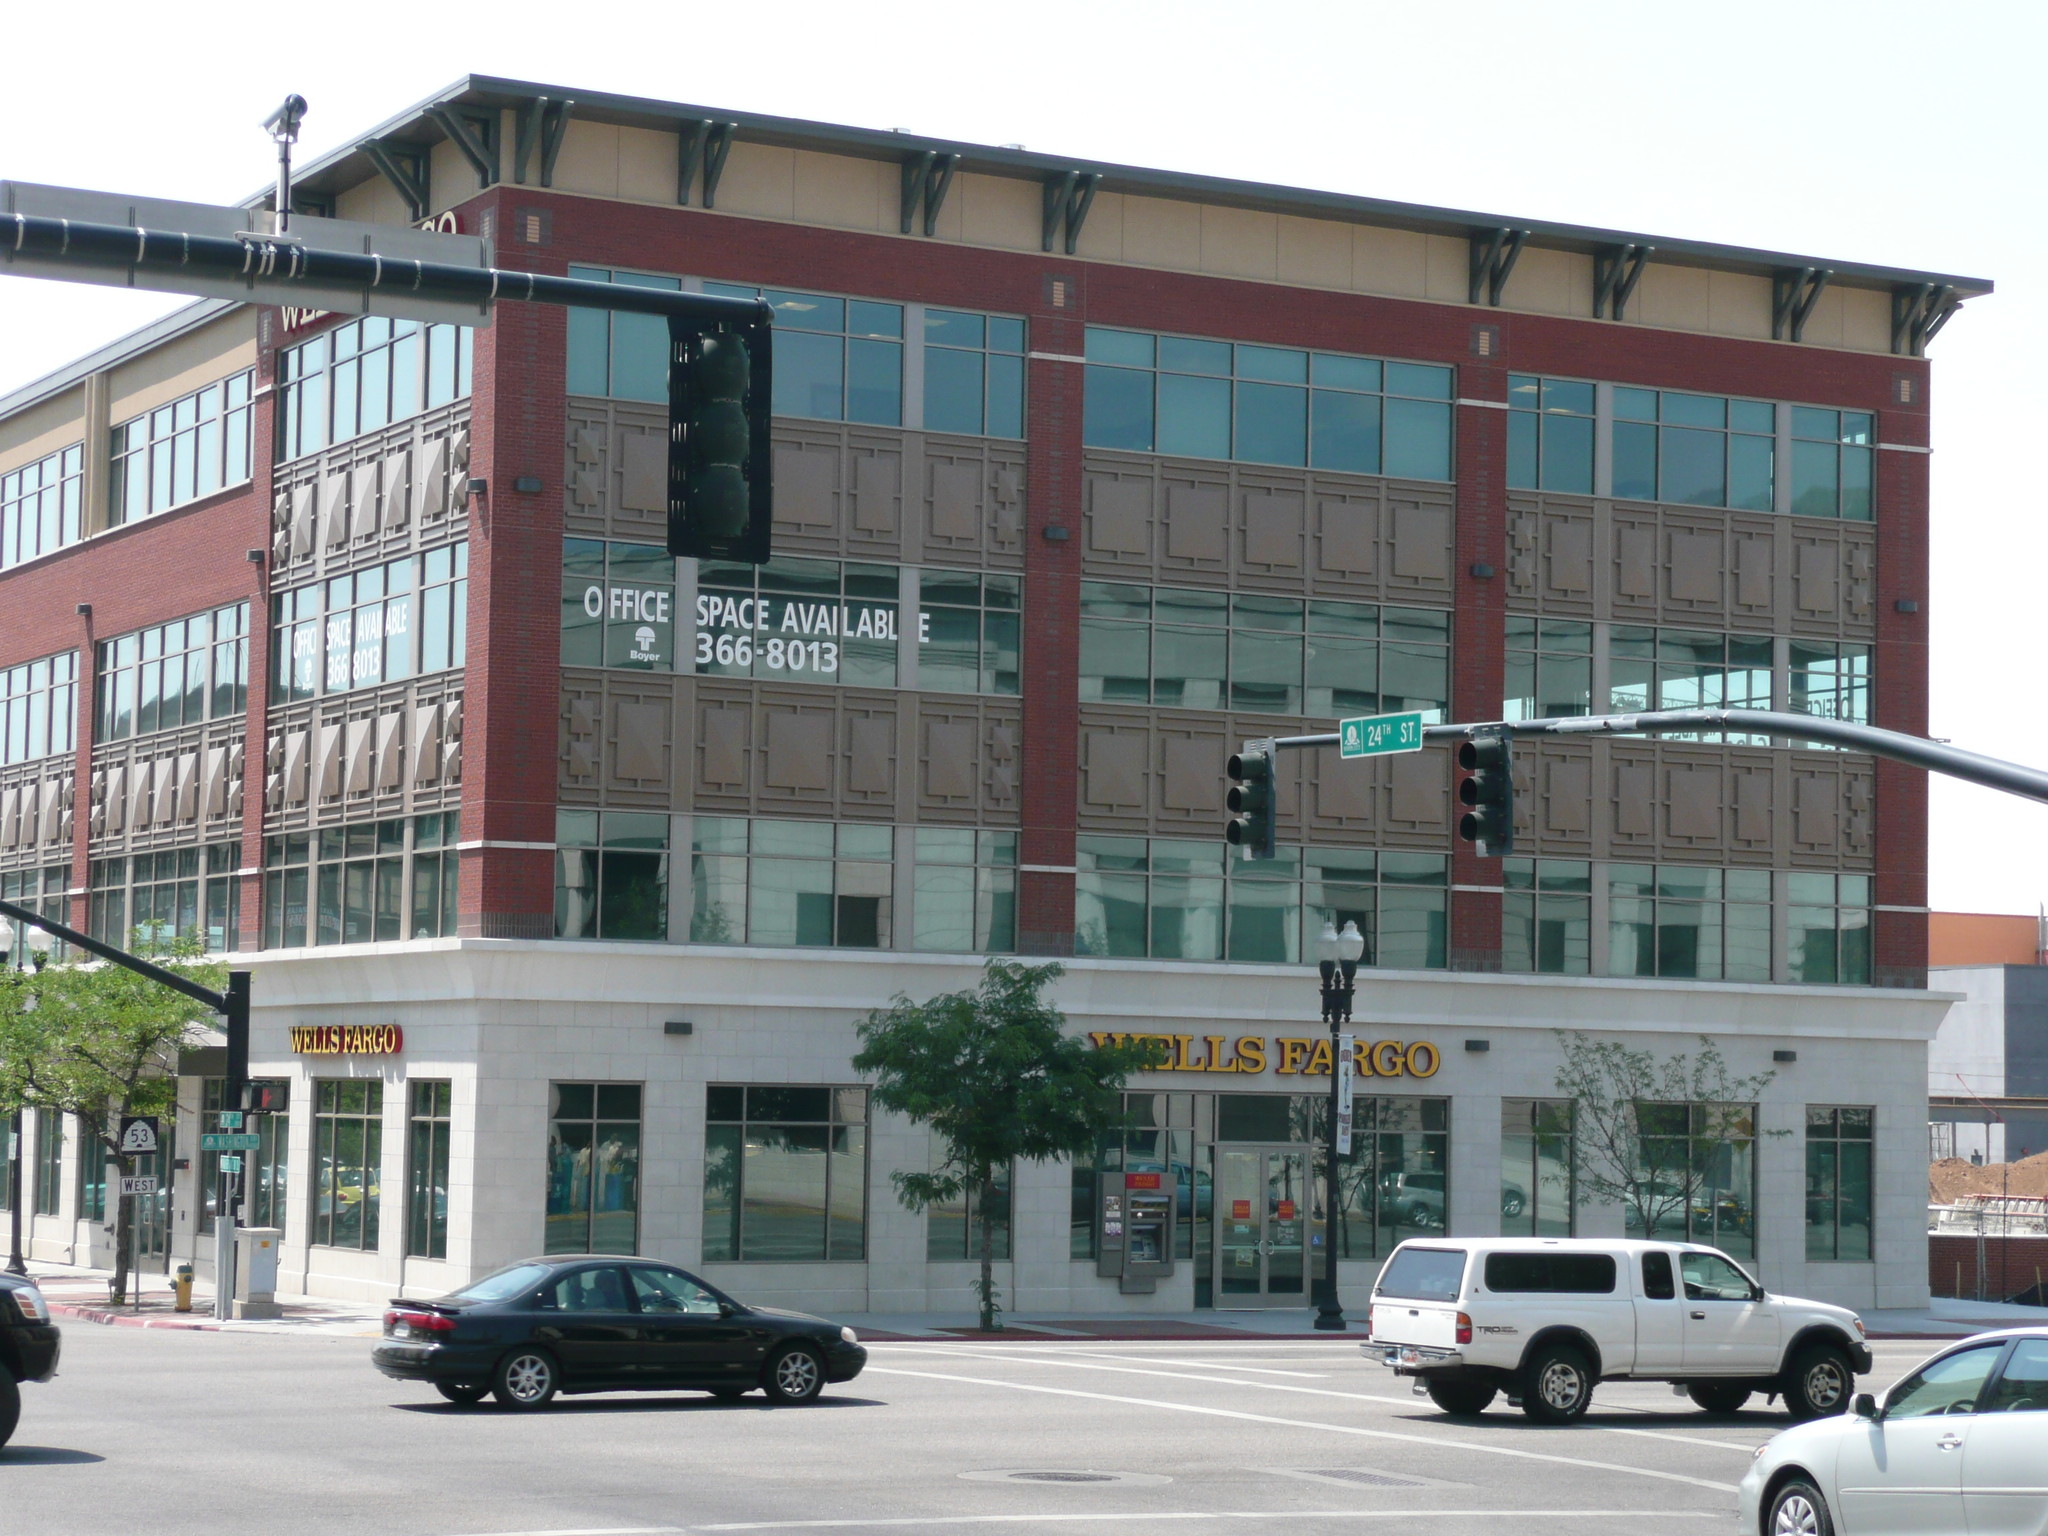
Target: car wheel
[
  {"x": 10, "y": 1406},
  {"x": 794, "y": 1374},
  {"x": 463, "y": 1394},
  {"x": 1797, "y": 1509},
  {"x": 525, "y": 1379},
  {"x": 1557, "y": 1384},
  {"x": 1511, "y": 1204},
  {"x": 1463, "y": 1398},
  {"x": 1818, "y": 1382},
  {"x": 1718, "y": 1396}
]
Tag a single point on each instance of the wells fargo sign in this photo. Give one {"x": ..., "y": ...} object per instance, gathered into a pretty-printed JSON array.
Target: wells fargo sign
[
  {"x": 347, "y": 1040},
  {"x": 1306, "y": 1056}
]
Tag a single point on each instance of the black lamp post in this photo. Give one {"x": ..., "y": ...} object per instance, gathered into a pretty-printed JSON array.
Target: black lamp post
[
  {"x": 1337, "y": 956},
  {"x": 16, "y": 1265}
]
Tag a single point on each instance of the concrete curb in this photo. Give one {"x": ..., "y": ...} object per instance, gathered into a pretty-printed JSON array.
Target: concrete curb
[{"x": 111, "y": 1317}]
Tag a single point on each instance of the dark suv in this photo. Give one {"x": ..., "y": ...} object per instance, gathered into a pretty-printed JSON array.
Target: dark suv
[{"x": 28, "y": 1345}]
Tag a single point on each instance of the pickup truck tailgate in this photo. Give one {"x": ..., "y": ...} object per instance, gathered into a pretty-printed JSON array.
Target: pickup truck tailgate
[{"x": 1414, "y": 1322}]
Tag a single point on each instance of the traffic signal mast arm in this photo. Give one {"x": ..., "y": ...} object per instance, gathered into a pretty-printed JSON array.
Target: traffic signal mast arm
[{"x": 1918, "y": 751}]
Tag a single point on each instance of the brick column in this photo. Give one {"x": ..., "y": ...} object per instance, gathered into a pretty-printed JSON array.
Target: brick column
[
  {"x": 1899, "y": 667},
  {"x": 263, "y": 410},
  {"x": 1049, "y": 790},
  {"x": 512, "y": 686},
  {"x": 1478, "y": 630}
]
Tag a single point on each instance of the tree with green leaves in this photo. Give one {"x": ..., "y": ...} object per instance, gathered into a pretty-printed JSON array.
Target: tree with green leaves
[
  {"x": 996, "y": 1077},
  {"x": 100, "y": 1043},
  {"x": 1650, "y": 1131}
]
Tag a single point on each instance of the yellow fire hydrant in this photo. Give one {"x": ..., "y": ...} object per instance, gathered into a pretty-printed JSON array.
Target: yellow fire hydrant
[{"x": 182, "y": 1285}]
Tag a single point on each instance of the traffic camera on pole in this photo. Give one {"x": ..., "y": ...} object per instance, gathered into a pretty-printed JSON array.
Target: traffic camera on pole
[
  {"x": 1489, "y": 789},
  {"x": 1251, "y": 801},
  {"x": 720, "y": 504}
]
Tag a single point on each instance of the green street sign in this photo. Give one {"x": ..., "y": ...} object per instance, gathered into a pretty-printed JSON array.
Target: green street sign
[
  {"x": 230, "y": 1119},
  {"x": 231, "y": 1163},
  {"x": 224, "y": 1142},
  {"x": 1377, "y": 735}
]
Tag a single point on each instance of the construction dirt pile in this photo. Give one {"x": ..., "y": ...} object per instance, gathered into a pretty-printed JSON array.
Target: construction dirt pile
[{"x": 1953, "y": 1177}]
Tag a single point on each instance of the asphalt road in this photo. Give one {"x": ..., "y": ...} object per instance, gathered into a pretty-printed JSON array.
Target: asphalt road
[{"x": 241, "y": 1435}]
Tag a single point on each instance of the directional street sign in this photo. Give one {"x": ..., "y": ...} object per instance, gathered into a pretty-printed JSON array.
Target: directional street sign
[
  {"x": 225, "y": 1142},
  {"x": 138, "y": 1184},
  {"x": 138, "y": 1134},
  {"x": 1377, "y": 735},
  {"x": 230, "y": 1119},
  {"x": 231, "y": 1162}
]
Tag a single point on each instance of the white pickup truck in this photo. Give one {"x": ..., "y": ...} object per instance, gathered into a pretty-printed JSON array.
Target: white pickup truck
[{"x": 1544, "y": 1319}]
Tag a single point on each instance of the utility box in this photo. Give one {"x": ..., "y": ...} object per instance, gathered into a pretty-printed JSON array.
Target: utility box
[
  {"x": 1134, "y": 1215},
  {"x": 256, "y": 1271}
]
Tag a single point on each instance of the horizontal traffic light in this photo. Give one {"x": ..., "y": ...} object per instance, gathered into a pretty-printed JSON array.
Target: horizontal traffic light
[
  {"x": 1251, "y": 803},
  {"x": 1489, "y": 789},
  {"x": 720, "y": 498}
]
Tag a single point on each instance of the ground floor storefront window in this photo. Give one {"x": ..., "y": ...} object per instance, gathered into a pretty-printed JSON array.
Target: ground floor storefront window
[
  {"x": 785, "y": 1173},
  {"x": 593, "y": 1194},
  {"x": 1838, "y": 1182},
  {"x": 266, "y": 1171},
  {"x": 1536, "y": 1185},
  {"x": 348, "y": 1153},
  {"x": 426, "y": 1161},
  {"x": 1695, "y": 1176}
]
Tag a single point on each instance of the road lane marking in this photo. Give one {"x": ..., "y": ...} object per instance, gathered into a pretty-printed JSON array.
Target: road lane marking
[
  {"x": 1068, "y": 1359},
  {"x": 1125, "y": 1515},
  {"x": 1433, "y": 1442}
]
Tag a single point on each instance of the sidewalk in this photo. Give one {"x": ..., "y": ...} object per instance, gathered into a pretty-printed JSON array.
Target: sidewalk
[{"x": 81, "y": 1295}]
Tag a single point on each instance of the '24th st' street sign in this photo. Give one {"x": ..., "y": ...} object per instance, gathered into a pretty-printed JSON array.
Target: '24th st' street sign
[{"x": 1377, "y": 735}]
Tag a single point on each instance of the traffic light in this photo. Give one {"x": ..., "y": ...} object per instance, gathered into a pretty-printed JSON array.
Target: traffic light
[
  {"x": 720, "y": 500},
  {"x": 1489, "y": 788},
  {"x": 1251, "y": 802}
]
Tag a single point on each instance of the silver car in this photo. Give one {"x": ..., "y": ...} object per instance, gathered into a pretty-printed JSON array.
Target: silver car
[{"x": 1960, "y": 1444}]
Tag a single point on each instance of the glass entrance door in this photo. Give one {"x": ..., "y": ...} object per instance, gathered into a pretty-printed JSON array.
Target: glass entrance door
[{"x": 1264, "y": 1214}]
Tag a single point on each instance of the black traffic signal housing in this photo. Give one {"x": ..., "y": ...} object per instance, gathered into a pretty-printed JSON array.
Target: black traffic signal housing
[
  {"x": 1489, "y": 789},
  {"x": 1252, "y": 802},
  {"x": 721, "y": 504}
]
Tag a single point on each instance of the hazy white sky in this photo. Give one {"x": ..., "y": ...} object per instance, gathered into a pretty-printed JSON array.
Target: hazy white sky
[{"x": 1869, "y": 131}]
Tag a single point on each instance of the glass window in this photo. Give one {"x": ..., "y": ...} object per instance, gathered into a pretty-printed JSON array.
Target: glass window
[
  {"x": 266, "y": 1172},
  {"x": 348, "y": 1156},
  {"x": 40, "y": 703},
  {"x": 405, "y": 618},
  {"x": 785, "y": 1174},
  {"x": 969, "y": 639},
  {"x": 1827, "y": 928},
  {"x": 616, "y": 353},
  {"x": 593, "y": 1178},
  {"x": 671, "y": 1291},
  {"x": 428, "y": 1130},
  {"x": 1709, "y": 1277},
  {"x": 966, "y": 890},
  {"x": 1550, "y": 668},
  {"x": 973, "y": 373},
  {"x": 1703, "y": 924},
  {"x": 611, "y": 875},
  {"x": 1705, "y": 450},
  {"x": 952, "y": 1228},
  {"x": 1547, "y": 916},
  {"x": 835, "y": 359},
  {"x": 1951, "y": 1384},
  {"x": 1536, "y": 1168},
  {"x": 194, "y": 669},
  {"x": 366, "y": 375},
  {"x": 180, "y": 452},
  {"x": 1266, "y": 405},
  {"x": 1838, "y": 1182},
  {"x": 2023, "y": 1384},
  {"x": 1831, "y": 680},
  {"x": 39, "y": 506},
  {"x": 175, "y": 893},
  {"x": 368, "y": 882},
  {"x": 48, "y": 1184},
  {"x": 1695, "y": 1175},
  {"x": 1550, "y": 434},
  {"x": 1832, "y": 455},
  {"x": 798, "y": 620},
  {"x": 618, "y": 606}
]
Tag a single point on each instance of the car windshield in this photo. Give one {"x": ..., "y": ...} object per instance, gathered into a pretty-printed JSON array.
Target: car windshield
[
  {"x": 1424, "y": 1274},
  {"x": 502, "y": 1285}
]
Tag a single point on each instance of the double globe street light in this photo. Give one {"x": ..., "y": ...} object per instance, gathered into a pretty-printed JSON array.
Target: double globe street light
[{"x": 1337, "y": 957}]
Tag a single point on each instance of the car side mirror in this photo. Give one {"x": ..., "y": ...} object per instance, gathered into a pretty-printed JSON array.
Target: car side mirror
[
  {"x": 727, "y": 1309},
  {"x": 1865, "y": 1406},
  {"x": 1757, "y": 1293}
]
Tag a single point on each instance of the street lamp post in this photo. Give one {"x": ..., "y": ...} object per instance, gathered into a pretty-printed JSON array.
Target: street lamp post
[
  {"x": 16, "y": 1264},
  {"x": 1337, "y": 956}
]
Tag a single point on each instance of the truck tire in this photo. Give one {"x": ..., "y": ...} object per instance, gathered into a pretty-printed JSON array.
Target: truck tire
[
  {"x": 10, "y": 1406},
  {"x": 1557, "y": 1384},
  {"x": 1817, "y": 1382},
  {"x": 1462, "y": 1398},
  {"x": 1719, "y": 1396}
]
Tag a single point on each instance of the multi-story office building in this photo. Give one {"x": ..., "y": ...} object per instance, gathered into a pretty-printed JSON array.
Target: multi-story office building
[{"x": 566, "y": 869}]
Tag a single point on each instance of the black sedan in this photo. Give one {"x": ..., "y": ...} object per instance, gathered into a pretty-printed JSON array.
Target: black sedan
[
  {"x": 28, "y": 1345},
  {"x": 594, "y": 1323}
]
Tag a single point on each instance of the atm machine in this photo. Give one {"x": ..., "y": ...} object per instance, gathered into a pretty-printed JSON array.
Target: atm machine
[{"x": 1134, "y": 1217}]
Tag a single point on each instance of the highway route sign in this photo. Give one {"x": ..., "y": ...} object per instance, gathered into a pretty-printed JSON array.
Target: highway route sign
[
  {"x": 138, "y": 1134},
  {"x": 1377, "y": 735}
]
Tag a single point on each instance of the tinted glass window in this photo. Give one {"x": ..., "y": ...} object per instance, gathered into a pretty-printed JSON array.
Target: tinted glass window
[
  {"x": 1657, "y": 1283},
  {"x": 1949, "y": 1385},
  {"x": 1580, "y": 1273},
  {"x": 503, "y": 1284},
  {"x": 670, "y": 1292},
  {"x": 1424, "y": 1274},
  {"x": 590, "y": 1290},
  {"x": 2023, "y": 1384}
]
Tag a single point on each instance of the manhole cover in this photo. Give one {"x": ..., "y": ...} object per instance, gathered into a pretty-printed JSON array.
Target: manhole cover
[{"x": 1063, "y": 1475}]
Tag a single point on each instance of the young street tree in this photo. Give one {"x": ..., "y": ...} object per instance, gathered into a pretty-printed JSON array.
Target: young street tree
[
  {"x": 102, "y": 1042},
  {"x": 1651, "y": 1133},
  {"x": 993, "y": 1072}
]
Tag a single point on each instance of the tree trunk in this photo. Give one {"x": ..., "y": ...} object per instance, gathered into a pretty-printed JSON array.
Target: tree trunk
[{"x": 988, "y": 1272}]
